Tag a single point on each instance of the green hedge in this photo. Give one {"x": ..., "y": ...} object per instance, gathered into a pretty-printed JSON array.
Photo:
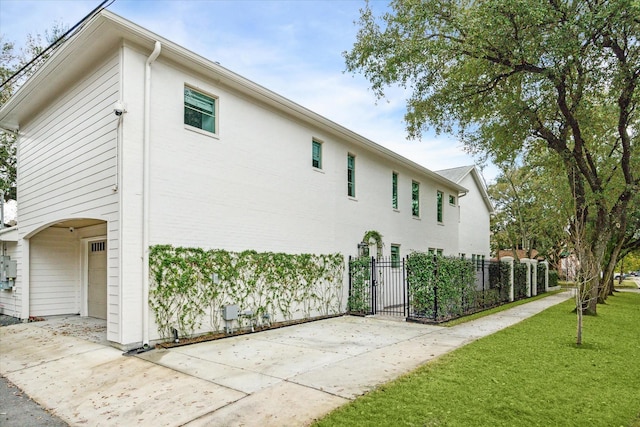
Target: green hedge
[
  {"x": 189, "y": 286},
  {"x": 553, "y": 278},
  {"x": 439, "y": 287}
]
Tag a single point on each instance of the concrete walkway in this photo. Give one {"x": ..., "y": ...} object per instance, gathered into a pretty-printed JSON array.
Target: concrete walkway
[{"x": 282, "y": 377}]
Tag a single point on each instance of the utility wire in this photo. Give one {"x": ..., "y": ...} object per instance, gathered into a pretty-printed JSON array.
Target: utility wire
[{"x": 58, "y": 41}]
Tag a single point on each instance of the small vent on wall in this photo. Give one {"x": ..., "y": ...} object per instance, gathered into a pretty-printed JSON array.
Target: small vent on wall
[{"x": 98, "y": 246}]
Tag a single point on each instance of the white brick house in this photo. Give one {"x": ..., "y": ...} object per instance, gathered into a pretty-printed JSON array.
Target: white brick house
[
  {"x": 244, "y": 167},
  {"x": 475, "y": 212}
]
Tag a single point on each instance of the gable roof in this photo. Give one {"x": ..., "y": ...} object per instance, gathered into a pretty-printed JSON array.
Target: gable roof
[
  {"x": 105, "y": 32},
  {"x": 458, "y": 174}
]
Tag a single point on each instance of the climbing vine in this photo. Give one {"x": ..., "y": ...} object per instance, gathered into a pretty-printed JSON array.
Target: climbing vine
[
  {"x": 191, "y": 285},
  {"x": 377, "y": 238},
  {"x": 359, "y": 292}
]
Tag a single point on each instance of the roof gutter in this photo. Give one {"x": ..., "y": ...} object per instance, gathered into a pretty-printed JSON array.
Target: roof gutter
[{"x": 145, "y": 194}]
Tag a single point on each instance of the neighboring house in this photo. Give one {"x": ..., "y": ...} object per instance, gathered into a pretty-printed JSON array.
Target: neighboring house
[
  {"x": 127, "y": 140},
  {"x": 475, "y": 212}
]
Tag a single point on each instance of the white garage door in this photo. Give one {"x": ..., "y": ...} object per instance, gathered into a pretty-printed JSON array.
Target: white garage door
[{"x": 97, "y": 283}]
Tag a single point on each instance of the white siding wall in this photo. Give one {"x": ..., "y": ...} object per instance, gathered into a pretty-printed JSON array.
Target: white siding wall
[
  {"x": 55, "y": 273},
  {"x": 474, "y": 221},
  {"x": 67, "y": 165},
  {"x": 10, "y": 300},
  {"x": 253, "y": 187}
]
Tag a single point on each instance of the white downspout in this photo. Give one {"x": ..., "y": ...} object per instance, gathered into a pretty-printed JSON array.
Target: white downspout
[{"x": 145, "y": 195}]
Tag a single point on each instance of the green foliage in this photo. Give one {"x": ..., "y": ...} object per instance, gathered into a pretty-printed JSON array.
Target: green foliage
[
  {"x": 497, "y": 380},
  {"x": 519, "y": 281},
  {"x": 527, "y": 213},
  {"x": 439, "y": 287},
  {"x": 359, "y": 292},
  {"x": 556, "y": 81},
  {"x": 553, "y": 278},
  {"x": 377, "y": 239},
  {"x": 191, "y": 284}
]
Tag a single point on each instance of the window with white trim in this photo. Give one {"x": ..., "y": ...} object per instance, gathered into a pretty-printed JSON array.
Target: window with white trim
[
  {"x": 415, "y": 198},
  {"x": 351, "y": 175},
  {"x": 316, "y": 154},
  {"x": 200, "y": 110}
]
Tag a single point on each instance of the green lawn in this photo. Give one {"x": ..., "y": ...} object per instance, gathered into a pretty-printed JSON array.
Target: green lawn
[{"x": 531, "y": 374}]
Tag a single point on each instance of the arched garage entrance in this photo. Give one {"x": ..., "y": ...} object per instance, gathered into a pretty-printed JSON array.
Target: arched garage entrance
[{"x": 68, "y": 269}]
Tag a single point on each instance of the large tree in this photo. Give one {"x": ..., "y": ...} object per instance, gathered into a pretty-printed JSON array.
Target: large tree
[
  {"x": 517, "y": 76},
  {"x": 527, "y": 213}
]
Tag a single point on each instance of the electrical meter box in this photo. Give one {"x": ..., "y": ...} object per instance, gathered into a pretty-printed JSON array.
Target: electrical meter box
[
  {"x": 230, "y": 312},
  {"x": 8, "y": 272}
]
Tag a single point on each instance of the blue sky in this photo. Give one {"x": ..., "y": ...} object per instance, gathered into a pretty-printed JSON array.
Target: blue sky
[{"x": 292, "y": 47}]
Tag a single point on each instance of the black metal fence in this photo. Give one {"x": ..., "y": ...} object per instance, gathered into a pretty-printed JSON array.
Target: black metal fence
[
  {"x": 428, "y": 288},
  {"x": 377, "y": 286},
  {"x": 540, "y": 277}
]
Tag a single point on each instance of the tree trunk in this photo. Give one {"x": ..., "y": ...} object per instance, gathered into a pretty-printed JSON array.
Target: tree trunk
[{"x": 579, "y": 331}]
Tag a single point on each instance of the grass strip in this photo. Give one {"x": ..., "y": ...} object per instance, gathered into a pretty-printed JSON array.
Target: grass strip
[
  {"x": 531, "y": 374},
  {"x": 498, "y": 309}
]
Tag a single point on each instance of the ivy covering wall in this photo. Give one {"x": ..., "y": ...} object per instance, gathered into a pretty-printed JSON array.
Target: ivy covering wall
[{"x": 189, "y": 286}]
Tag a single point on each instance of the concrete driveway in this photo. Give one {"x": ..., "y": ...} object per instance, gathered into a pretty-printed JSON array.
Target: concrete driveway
[{"x": 281, "y": 377}]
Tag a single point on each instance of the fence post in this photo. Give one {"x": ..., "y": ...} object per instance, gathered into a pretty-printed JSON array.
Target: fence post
[
  {"x": 484, "y": 293},
  {"x": 374, "y": 296},
  {"x": 526, "y": 261},
  {"x": 349, "y": 299},
  {"x": 405, "y": 287},
  {"x": 534, "y": 277},
  {"x": 546, "y": 275},
  {"x": 509, "y": 260}
]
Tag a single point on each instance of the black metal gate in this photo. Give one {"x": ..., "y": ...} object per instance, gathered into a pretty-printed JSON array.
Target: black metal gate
[{"x": 378, "y": 286}]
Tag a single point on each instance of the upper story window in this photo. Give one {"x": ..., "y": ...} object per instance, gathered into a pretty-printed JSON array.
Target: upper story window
[
  {"x": 415, "y": 198},
  {"x": 351, "y": 175},
  {"x": 316, "y": 154},
  {"x": 440, "y": 196},
  {"x": 199, "y": 110},
  {"x": 394, "y": 190},
  {"x": 452, "y": 200}
]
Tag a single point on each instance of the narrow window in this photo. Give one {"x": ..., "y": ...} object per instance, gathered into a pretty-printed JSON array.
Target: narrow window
[
  {"x": 351, "y": 175},
  {"x": 415, "y": 198},
  {"x": 394, "y": 190},
  {"x": 316, "y": 154},
  {"x": 395, "y": 256},
  {"x": 452, "y": 200},
  {"x": 431, "y": 251},
  {"x": 440, "y": 195},
  {"x": 440, "y": 252}
]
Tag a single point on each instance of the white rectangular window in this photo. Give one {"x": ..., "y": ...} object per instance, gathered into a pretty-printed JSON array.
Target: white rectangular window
[
  {"x": 395, "y": 256},
  {"x": 316, "y": 154},
  {"x": 394, "y": 190},
  {"x": 351, "y": 175},
  {"x": 199, "y": 110},
  {"x": 415, "y": 199}
]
